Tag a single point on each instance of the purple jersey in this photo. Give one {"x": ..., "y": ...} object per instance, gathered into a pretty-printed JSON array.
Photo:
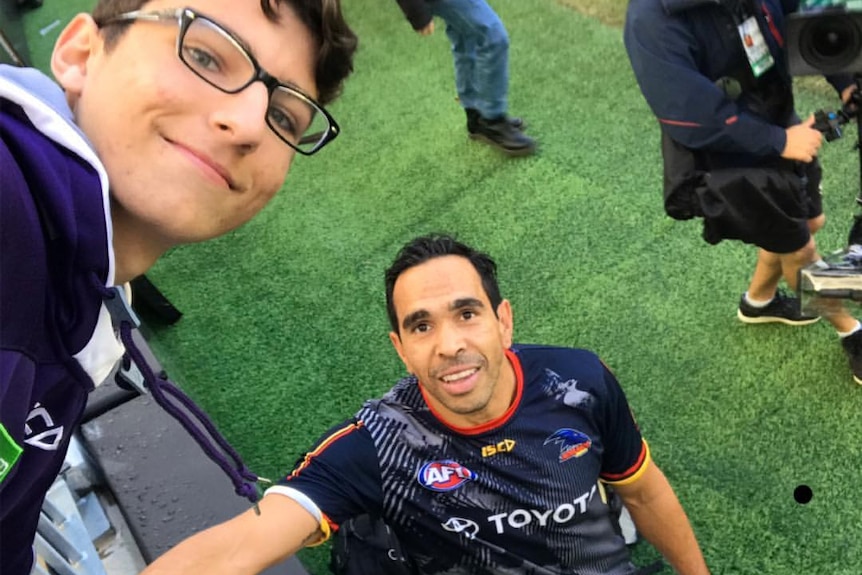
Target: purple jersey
[
  {"x": 56, "y": 340},
  {"x": 517, "y": 495}
]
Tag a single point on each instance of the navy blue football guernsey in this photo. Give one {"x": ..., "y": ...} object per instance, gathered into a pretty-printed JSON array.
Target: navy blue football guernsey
[{"x": 517, "y": 495}]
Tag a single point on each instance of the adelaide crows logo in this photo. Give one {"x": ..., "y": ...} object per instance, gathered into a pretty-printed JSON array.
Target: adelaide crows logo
[
  {"x": 444, "y": 475},
  {"x": 572, "y": 443}
]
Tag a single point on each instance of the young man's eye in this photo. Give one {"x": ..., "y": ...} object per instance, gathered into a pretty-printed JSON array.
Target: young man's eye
[
  {"x": 201, "y": 59},
  {"x": 468, "y": 314},
  {"x": 283, "y": 122},
  {"x": 420, "y": 328}
]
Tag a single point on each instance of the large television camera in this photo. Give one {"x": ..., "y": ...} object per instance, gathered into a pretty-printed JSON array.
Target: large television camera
[{"x": 828, "y": 42}]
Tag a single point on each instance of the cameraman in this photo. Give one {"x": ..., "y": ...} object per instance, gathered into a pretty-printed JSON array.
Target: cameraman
[{"x": 735, "y": 153}]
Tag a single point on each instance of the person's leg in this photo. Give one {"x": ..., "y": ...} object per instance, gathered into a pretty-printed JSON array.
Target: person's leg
[
  {"x": 758, "y": 208},
  {"x": 770, "y": 266},
  {"x": 767, "y": 274},
  {"x": 792, "y": 263},
  {"x": 480, "y": 46},
  {"x": 846, "y": 325},
  {"x": 463, "y": 43},
  {"x": 763, "y": 302},
  {"x": 492, "y": 61}
]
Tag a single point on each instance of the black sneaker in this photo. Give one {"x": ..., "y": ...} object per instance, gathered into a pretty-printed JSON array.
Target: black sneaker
[
  {"x": 473, "y": 117},
  {"x": 501, "y": 134},
  {"x": 852, "y": 345},
  {"x": 783, "y": 309}
]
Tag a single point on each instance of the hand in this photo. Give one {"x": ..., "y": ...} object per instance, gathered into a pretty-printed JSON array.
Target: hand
[
  {"x": 847, "y": 96},
  {"x": 803, "y": 141},
  {"x": 427, "y": 30}
]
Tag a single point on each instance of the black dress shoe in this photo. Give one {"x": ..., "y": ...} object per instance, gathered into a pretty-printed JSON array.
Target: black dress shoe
[
  {"x": 473, "y": 117},
  {"x": 502, "y": 135}
]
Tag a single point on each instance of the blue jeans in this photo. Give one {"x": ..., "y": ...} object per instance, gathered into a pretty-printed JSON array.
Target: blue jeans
[{"x": 480, "y": 47}]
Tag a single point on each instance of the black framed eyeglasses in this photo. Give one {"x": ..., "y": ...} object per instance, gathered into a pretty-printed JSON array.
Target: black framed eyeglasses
[{"x": 223, "y": 61}]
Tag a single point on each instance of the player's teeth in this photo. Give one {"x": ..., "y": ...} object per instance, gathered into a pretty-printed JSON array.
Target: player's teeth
[{"x": 459, "y": 375}]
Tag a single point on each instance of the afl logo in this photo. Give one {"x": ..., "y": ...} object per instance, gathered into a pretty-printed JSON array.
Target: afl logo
[
  {"x": 444, "y": 475},
  {"x": 572, "y": 443}
]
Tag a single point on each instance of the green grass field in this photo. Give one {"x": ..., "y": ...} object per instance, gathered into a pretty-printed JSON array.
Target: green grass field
[{"x": 285, "y": 331}]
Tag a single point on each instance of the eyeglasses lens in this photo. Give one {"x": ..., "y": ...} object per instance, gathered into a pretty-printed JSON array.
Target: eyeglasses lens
[{"x": 211, "y": 53}]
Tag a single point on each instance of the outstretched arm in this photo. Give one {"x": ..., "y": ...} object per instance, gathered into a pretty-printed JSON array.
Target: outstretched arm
[
  {"x": 660, "y": 518},
  {"x": 244, "y": 545}
]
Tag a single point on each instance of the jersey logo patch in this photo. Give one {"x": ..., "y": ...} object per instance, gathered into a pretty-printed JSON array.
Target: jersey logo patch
[
  {"x": 444, "y": 475},
  {"x": 573, "y": 443},
  {"x": 50, "y": 437},
  {"x": 504, "y": 446},
  {"x": 466, "y": 527}
]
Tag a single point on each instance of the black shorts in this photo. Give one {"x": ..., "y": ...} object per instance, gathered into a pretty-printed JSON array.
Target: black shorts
[{"x": 768, "y": 206}]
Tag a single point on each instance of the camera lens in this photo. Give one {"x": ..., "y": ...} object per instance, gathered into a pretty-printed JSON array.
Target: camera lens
[{"x": 830, "y": 43}]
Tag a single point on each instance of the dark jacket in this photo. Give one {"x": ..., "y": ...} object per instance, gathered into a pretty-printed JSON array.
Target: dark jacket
[
  {"x": 689, "y": 61},
  {"x": 417, "y": 12}
]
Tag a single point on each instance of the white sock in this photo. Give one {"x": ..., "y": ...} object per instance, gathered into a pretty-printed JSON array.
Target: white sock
[
  {"x": 756, "y": 303},
  {"x": 843, "y": 334}
]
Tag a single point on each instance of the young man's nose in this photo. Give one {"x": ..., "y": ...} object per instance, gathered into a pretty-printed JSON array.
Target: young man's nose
[{"x": 242, "y": 116}]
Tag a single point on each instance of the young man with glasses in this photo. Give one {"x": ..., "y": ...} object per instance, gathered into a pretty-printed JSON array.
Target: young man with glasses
[
  {"x": 480, "y": 48},
  {"x": 174, "y": 125},
  {"x": 490, "y": 457}
]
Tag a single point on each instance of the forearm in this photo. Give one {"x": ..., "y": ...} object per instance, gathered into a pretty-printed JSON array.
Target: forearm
[
  {"x": 661, "y": 519},
  {"x": 244, "y": 545},
  {"x": 671, "y": 533},
  {"x": 210, "y": 552}
]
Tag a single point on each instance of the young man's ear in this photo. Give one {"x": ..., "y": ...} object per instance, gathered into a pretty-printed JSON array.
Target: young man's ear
[{"x": 78, "y": 41}]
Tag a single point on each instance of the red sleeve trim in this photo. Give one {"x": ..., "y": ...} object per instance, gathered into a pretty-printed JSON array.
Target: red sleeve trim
[
  {"x": 679, "y": 123},
  {"x": 335, "y": 436},
  {"x": 772, "y": 27},
  {"x": 642, "y": 458}
]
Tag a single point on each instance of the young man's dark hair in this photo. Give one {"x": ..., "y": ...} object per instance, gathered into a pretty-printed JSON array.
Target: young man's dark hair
[
  {"x": 424, "y": 248},
  {"x": 336, "y": 41}
]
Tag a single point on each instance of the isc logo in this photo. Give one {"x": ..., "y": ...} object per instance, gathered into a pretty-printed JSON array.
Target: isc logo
[
  {"x": 504, "y": 446},
  {"x": 444, "y": 475}
]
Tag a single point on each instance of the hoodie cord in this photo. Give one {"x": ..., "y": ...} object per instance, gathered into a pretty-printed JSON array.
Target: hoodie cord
[{"x": 168, "y": 395}]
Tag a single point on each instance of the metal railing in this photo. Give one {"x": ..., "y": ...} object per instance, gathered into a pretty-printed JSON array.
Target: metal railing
[{"x": 80, "y": 532}]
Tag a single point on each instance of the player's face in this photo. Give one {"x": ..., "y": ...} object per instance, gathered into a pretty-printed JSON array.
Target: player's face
[
  {"x": 451, "y": 339},
  {"x": 186, "y": 162}
]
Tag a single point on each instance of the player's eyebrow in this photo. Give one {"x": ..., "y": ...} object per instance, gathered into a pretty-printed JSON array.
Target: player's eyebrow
[
  {"x": 413, "y": 318},
  {"x": 466, "y": 302}
]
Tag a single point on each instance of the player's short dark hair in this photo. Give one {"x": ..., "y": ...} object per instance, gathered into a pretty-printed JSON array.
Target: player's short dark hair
[
  {"x": 424, "y": 248},
  {"x": 336, "y": 42}
]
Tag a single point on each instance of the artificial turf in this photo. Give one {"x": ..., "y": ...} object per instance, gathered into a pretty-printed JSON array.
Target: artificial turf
[{"x": 285, "y": 331}]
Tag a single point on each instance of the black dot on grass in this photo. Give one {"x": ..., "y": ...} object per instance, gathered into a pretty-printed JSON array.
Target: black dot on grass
[{"x": 802, "y": 494}]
